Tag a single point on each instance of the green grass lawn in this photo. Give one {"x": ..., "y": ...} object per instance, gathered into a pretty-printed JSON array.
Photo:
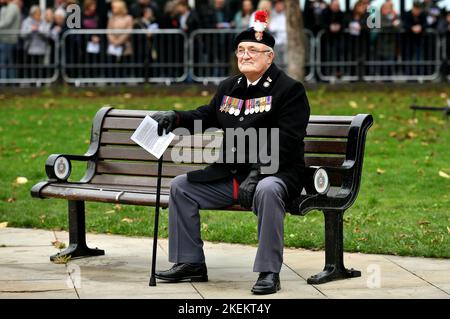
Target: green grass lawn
[{"x": 403, "y": 207}]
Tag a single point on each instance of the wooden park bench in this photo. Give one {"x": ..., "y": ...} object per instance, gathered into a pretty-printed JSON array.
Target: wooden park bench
[{"x": 119, "y": 171}]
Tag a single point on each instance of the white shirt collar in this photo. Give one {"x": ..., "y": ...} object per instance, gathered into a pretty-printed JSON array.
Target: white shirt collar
[{"x": 253, "y": 83}]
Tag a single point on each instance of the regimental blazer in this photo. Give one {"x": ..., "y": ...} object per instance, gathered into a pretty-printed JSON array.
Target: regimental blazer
[{"x": 276, "y": 101}]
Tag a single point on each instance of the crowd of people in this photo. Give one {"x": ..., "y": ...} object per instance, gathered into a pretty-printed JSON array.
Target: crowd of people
[{"x": 26, "y": 28}]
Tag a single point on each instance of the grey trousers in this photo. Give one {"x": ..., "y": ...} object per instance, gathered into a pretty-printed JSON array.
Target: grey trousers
[{"x": 186, "y": 198}]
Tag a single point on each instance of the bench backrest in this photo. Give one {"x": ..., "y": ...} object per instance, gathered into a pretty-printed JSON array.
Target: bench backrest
[{"x": 120, "y": 161}]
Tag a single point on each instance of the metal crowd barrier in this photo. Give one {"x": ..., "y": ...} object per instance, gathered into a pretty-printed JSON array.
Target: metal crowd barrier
[
  {"x": 21, "y": 63},
  {"x": 91, "y": 56},
  {"x": 206, "y": 55},
  {"x": 212, "y": 58},
  {"x": 378, "y": 55}
]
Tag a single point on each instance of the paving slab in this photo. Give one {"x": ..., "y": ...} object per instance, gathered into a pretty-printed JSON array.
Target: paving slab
[
  {"x": 26, "y": 271},
  {"x": 32, "y": 271},
  {"x": 94, "y": 289},
  {"x": 34, "y": 237}
]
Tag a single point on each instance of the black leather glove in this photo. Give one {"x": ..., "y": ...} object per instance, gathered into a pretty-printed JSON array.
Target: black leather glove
[
  {"x": 166, "y": 120},
  {"x": 247, "y": 189}
]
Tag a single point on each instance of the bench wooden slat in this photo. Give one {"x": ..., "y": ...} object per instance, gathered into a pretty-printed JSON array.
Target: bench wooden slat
[
  {"x": 55, "y": 191},
  {"x": 122, "y": 123},
  {"x": 130, "y": 180},
  {"x": 144, "y": 169},
  {"x": 325, "y": 146},
  {"x": 327, "y": 130},
  {"x": 311, "y": 146},
  {"x": 332, "y": 119},
  {"x": 137, "y": 153},
  {"x": 333, "y": 161},
  {"x": 123, "y": 138},
  {"x": 315, "y": 130},
  {"x": 119, "y": 188}
]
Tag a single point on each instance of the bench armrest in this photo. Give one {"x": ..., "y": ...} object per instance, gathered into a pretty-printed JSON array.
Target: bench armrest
[
  {"x": 58, "y": 166},
  {"x": 319, "y": 178}
]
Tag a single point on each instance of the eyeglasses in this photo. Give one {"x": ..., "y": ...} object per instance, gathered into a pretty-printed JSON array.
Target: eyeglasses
[{"x": 251, "y": 52}]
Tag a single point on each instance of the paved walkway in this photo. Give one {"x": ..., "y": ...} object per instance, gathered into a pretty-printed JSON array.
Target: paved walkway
[{"x": 26, "y": 272}]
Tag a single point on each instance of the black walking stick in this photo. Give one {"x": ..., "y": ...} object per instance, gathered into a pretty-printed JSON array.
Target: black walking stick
[{"x": 155, "y": 231}]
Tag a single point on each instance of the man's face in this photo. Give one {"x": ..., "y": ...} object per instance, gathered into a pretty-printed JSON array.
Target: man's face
[{"x": 256, "y": 58}]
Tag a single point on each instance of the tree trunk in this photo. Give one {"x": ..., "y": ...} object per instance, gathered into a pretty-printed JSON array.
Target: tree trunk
[{"x": 296, "y": 40}]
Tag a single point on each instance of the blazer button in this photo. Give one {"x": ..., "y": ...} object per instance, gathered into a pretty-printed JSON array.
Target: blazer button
[
  {"x": 234, "y": 171},
  {"x": 241, "y": 118},
  {"x": 233, "y": 149}
]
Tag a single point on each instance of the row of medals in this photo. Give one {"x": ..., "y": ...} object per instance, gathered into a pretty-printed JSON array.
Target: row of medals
[{"x": 233, "y": 105}]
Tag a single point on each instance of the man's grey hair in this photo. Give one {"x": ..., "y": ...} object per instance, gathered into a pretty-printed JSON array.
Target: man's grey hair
[
  {"x": 60, "y": 12},
  {"x": 34, "y": 9}
]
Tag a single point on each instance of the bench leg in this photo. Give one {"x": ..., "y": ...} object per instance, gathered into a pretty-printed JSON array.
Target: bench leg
[
  {"x": 77, "y": 234},
  {"x": 334, "y": 251}
]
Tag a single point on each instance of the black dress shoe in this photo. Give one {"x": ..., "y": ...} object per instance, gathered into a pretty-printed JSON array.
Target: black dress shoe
[
  {"x": 267, "y": 283},
  {"x": 183, "y": 272}
]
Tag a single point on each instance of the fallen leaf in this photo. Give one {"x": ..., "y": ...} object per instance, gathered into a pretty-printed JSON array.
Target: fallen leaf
[
  {"x": 89, "y": 94},
  {"x": 443, "y": 174},
  {"x": 127, "y": 220},
  {"x": 110, "y": 212},
  {"x": 380, "y": 171},
  {"x": 443, "y": 95},
  {"x": 4, "y": 225},
  {"x": 117, "y": 207},
  {"x": 353, "y": 104},
  {"x": 291, "y": 235},
  {"x": 411, "y": 134},
  {"x": 58, "y": 244},
  {"x": 62, "y": 259},
  {"x": 21, "y": 180},
  {"x": 204, "y": 93},
  {"x": 423, "y": 222},
  {"x": 178, "y": 105},
  {"x": 371, "y": 106},
  {"x": 393, "y": 134},
  {"x": 413, "y": 121},
  {"x": 11, "y": 200},
  {"x": 127, "y": 96},
  {"x": 448, "y": 229}
]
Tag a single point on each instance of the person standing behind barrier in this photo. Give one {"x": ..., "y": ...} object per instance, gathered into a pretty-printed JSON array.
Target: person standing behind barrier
[
  {"x": 277, "y": 27},
  {"x": 36, "y": 33},
  {"x": 332, "y": 39},
  {"x": 359, "y": 38},
  {"x": 388, "y": 38},
  {"x": 189, "y": 21},
  {"x": 163, "y": 42},
  {"x": 140, "y": 6},
  {"x": 242, "y": 17},
  {"x": 313, "y": 14},
  {"x": 57, "y": 29},
  {"x": 9, "y": 23},
  {"x": 415, "y": 22},
  {"x": 143, "y": 48},
  {"x": 92, "y": 44},
  {"x": 119, "y": 45}
]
